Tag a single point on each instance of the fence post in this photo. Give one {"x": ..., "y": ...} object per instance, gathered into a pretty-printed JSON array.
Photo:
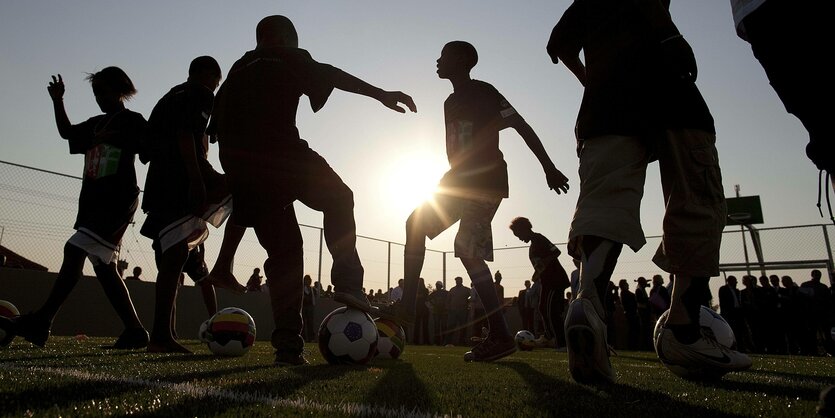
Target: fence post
[
  {"x": 388, "y": 267},
  {"x": 828, "y": 255},
  {"x": 443, "y": 267},
  {"x": 321, "y": 238}
]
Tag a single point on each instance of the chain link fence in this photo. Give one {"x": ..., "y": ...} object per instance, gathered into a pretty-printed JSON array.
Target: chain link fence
[{"x": 38, "y": 208}]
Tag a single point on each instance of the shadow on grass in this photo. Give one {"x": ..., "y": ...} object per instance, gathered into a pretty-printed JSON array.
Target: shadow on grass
[
  {"x": 68, "y": 356},
  {"x": 821, "y": 380},
  {"x": 40, "y": 400},
  {"x": 565, "y": 398},
  {"x": 399, "y": 378}
]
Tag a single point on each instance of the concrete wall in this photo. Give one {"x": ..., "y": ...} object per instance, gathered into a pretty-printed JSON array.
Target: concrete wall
[{"x": 87, "y": 310}]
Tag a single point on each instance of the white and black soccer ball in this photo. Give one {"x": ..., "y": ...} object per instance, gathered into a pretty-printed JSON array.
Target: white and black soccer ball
[
  {"x": 713, "y": 325},
  {"x": 348, "y": 336},
  {"x": 229, "y": 332},
  {"x": 525, "y": 340}
]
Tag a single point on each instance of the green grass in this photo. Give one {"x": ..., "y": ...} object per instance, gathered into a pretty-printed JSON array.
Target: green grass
[{"x": 71, "y": 378}]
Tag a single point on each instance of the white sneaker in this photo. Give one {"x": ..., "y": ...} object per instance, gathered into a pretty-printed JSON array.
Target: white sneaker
[
  {"x": 704, "y": 359},
  {"x": 588, "y": 352}
]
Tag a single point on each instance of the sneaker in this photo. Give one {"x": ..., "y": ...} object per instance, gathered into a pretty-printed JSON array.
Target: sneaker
[
  {"x": 588, "y": 352},
  {"x": 397, "y": 313},
  {"x": 705, "y": 358},
  {"x": 29, "y": 326},
  {"x": 491, "y": 349},
  {"x": 131, "y": 339},
  {"x": 356, "y": 300},
  {"x": 287, "y": 359}
]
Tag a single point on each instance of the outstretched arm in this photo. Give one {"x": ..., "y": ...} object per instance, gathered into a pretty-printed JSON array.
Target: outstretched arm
[
  {"x": 556, "y": 179},
  {"x": 56, "y": 92},
  {"x": 389, "y": 99}
]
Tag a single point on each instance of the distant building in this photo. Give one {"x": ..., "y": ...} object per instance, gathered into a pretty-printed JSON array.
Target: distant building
[{"x": 15, "y": 260}]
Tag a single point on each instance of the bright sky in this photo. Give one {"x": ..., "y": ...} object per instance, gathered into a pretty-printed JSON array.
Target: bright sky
[{"x": 394, "y": 45}]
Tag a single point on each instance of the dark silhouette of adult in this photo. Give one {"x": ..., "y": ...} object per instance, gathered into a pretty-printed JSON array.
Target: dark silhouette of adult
[
  {"x": 309, "y": 309},
  {"x": 254, "y": 282},
  {"x": 106, "y": 205},
  {"x": 630, "y": 310},
  {"x": 526, "y": 311},
  {"x": 819, "y": 312},
  {"x": 269, "y": 167},
  {"x": 768, "y": 301},
  {"x": 421, "y": 329},
  {"x": 438, "y": 301},
  {"x": 457, "y": 303},
  {"x": 137, "y": 273},
  {"x": 644, "y": 313}
]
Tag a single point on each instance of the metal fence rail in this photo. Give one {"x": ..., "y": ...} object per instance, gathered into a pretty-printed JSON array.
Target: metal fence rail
[{"x": 38, "y": 208}]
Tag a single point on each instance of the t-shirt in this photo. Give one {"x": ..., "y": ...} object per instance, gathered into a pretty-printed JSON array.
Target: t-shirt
[
  {"x": 540, "y": 250},
  {"x": 628, "y": 91},
  {"x": 185, "y": 107},
  {"x": 109, "y": 192},
  {"x": 474, "y": 115},
  {"x": 255, "y": 109}
]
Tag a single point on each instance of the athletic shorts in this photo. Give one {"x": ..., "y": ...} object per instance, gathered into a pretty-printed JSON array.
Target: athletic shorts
[
  {"x": 475, "y": 235},
  {"x": 612, "y": 174}
]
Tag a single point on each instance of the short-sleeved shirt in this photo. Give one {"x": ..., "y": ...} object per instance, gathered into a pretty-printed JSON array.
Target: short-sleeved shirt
[
  {"x": 186, "y": 107},
  {"x": 256, "y": 106},
  {"x": 541, "y": 249},
  {"x": 628, "y": 90},
  {"x": 109, "y": 192},
  {"x": 474, "y": 115}
]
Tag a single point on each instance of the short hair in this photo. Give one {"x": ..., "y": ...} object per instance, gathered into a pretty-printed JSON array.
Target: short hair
[
  {"x": 277, "y": 28},
  {"x": 137, "y": 270},
  {"x": 115, "y": 78},
  {"x": 519, "y": 223},
  {"x": 465, "y": 51},
  {"x": 204, "y": 64}
]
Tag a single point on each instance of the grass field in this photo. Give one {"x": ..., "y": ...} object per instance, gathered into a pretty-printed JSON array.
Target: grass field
[{"x": 77, "y": 378}]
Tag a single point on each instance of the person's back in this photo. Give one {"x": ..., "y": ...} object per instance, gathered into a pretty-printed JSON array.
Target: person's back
[{"x": 458, "y": 297}]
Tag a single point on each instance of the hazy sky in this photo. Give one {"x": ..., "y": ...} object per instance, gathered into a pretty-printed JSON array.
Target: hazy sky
[{"x": 394, "y": 45}]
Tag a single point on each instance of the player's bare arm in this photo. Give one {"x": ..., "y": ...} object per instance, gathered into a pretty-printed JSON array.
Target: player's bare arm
[
  {"x": 389, "y": 99},
  {"x": 564, "y": 45},
  {"x": 556, "y": 180},
  {"x": 56, "y": 92}
]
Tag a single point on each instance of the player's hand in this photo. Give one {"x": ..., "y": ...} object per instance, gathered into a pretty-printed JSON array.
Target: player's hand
[
  {"x": 393, "y": 99},
  {"x": 56, "y": 88},
  {"x": 679, "y": 59},
  {"x": 557, "y": 181}
]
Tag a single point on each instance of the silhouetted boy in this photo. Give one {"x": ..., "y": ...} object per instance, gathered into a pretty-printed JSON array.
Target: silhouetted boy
[
  {"x": 269, "y": 167},
  {"x": 471, "y": 190},
  {"x": 108, "y": 200},
  {"x": 182, "y": 192}
]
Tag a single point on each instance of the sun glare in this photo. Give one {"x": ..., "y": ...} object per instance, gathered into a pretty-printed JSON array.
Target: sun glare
[{"x": 411, "y": 180}]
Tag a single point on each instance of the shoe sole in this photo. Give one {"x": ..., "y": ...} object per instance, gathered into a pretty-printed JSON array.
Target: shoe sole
[
  {"x": 494, "y": 357},
  {"x": 354, "y": 303},
  {"x": 582, "y": 344}
]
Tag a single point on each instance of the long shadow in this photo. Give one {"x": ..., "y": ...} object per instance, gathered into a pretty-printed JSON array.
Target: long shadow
[
  {"x": 42, "y": 399},
  {"x": 821, "y": 380},
  {"x": 399, "y": 378},
  {"x": 770, "y": 389},
  {"x": 64, "y": 356},
  {"x": 563, "y": 398}
]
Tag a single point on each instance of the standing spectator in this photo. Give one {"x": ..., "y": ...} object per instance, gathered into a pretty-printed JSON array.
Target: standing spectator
[
  {"x": 137, "y": 273},
  {"x": 308, "y": 309},
  {"x": 525, "y": 308},
  {"x": 459, "y": 297},
  {"x": 421, "y": 330},
  {"x": 318, "y": 287},
  {"x": 328, "y": 292},
  {"x": 793, "y": 311},
  {"x": 630, "y": 310},
  {"x": 659, "y": 297},
  {"x": 533, "y": 295},
  {"x": 397, "y": 293},
  {"x": 438, "y": 300},
  {"x": 820, "y": 311},
  {"x": 644, "y": 314},
  {"x": 768, "y": 300},
  {"x": 499, "y": 288},
  {"x": 730, "y": 307},
  {"x": 781, "y": 315},
  {"x": 751, "y": 311},
  {"x": 254, "y": 282}
]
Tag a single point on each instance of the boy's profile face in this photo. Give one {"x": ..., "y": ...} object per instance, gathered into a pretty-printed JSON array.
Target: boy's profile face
[
  {"x": 448, "y": 63},
  {"x": 522, "y": 234}
]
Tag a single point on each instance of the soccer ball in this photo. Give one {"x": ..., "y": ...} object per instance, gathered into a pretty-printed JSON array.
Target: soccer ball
[
  {"x": 713, "y": 326},
  {"x": 525, "y": 340},
  {"x": 230, "y": 332},
  {"x": 391, "y": 339},
  {"x": 8, "y": 310},
  {"x": 348, "y": 336}
]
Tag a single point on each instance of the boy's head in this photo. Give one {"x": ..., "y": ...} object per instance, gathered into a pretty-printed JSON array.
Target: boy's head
[
  {"x": 457, "y": 59},
  {"x": 206, "y": 71},
  {"x": 522, "y": 228},
  {"x": 276, "y": 30},
  {"x": 111, "y": 86}
]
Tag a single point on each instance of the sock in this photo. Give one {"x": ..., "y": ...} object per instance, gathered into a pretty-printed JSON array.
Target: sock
[
  {"x": 692, "y": 301},
  {"x": 686, "y": 334},
  {"x": 483, "y": 284}
]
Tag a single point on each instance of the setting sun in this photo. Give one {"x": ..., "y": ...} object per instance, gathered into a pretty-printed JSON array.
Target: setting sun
[{"x": 411, "y": 180}]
